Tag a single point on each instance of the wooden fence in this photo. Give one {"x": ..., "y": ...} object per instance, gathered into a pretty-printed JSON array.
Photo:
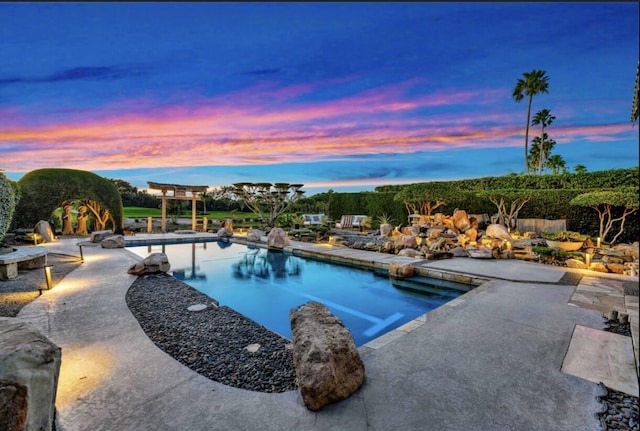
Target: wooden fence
[{"x": 540, "y": 225}]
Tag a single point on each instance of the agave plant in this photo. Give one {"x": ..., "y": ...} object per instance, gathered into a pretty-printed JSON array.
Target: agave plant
[{"x": 385, "y": 219}]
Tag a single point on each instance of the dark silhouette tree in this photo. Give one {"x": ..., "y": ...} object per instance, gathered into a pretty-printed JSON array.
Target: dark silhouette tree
[{"x": 544, "y": 118}]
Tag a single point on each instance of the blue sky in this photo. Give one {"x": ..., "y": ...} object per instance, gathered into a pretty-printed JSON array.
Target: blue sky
[{"x": 342, "y": 96}]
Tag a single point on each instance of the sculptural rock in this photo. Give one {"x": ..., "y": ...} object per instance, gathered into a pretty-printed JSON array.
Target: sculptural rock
[
  {"x": 277, "y": 238},
  {"x": 152, "y": 264},
  {"x": 461, "y": 220},
  {"x": 115, "y": 241},
  {"x": 225, "y": 232},
  {"x": 498, "y": 231},
  {"x": 385, "y": 230},
  {"x": 328, "y": 365},
  {"x": 29, "y": 370},
  {"x": 255, "y": 235},
  {"x": 43, "y": 228},
  {"x": 99, "y": 235},
  {"x": 401, "y": 269}
]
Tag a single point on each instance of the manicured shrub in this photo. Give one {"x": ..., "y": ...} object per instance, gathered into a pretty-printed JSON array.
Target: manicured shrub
[
  {"x": 44, "y": 190},
  {"x": 8, "y": 200}
]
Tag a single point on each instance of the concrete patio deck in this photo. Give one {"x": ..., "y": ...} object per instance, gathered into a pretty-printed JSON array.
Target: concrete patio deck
[{"x": 491, "y": 361}]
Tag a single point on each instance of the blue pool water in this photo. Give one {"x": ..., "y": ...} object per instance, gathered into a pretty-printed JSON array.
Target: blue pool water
[{"x": 264, "y": 285}]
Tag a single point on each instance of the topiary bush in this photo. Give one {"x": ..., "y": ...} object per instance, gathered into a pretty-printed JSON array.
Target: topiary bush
[
  {"x": 44, "y": 190},
  {"x": 8, "y": 200}
]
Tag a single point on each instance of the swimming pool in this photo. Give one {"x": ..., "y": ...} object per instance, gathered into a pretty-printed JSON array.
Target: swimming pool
[{"x": 265, "y": 284}]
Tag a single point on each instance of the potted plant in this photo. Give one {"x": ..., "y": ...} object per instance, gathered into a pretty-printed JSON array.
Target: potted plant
[
  {"x": 385, "y": 225},
  {"x": 564, "y": 240}
]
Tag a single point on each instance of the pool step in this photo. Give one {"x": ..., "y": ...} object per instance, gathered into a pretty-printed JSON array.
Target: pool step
[{"x": 421, "y": 284}]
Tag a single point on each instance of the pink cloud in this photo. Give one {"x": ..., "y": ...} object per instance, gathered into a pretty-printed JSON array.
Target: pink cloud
[{"x": 269, "y": 124}]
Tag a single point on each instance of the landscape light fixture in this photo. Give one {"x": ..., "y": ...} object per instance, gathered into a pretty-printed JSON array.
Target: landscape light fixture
[
  {"x": 81, "y": 254},
  {"x": 47, "y": 277}
]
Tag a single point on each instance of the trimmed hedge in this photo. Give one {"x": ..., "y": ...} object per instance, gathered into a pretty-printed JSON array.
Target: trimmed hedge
[
  {"x": 8, "y": 201},
  {"x": 611, "y": 178},
  {"x": 551, "y": 195},
  {"x": 44, "y": 190}
]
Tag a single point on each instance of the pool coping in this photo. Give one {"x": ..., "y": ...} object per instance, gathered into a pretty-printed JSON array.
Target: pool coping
[{"x": 327, "y": 254}]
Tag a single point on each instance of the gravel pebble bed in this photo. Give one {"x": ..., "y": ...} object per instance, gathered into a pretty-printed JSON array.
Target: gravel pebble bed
[
  {"x": 620, "y": 411},
  {"x": 213, "y": 342}
]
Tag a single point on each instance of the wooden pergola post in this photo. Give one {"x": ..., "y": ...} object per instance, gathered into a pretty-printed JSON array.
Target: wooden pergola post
[
  {"x": 179, "y": 193},
  {"x": 193, "y": 213},
  {"x": 164, "y": 211}
]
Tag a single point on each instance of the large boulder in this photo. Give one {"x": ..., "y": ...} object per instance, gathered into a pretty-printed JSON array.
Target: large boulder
[
  {"x": 152, "y": 264},
  {"x": 403, "y": 241},
  {"x": 328, "y": 365},
  {"x": 628, "y": 249},
  {"x": 98, "y": 235},
  {"x": 29, "y": 370},
  {"x": 115, "y": 241},
  {"x": 43, "y": 228},
  {"x": 277, "y": 238},
  {"x": 225, "y": 232},
  {"x": 255, "y": 235},
  {"x": 498, "y": 231},
  {"x": 461, "y": 220},
  {"x": 401, "y": 269}
]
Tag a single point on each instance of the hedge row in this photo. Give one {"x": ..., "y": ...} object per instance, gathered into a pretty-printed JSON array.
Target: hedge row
[
  {"x": 611, "y": 178},
  {"x": 8, "y": 201},
  {"x": 546, "y": 202}
]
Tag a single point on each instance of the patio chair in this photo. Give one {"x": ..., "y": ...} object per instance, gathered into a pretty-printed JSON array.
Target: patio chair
[{"x": 346, "y": 222}]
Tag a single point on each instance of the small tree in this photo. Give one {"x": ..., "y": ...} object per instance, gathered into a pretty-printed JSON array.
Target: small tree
[
  {"x": 604, "y": 202},
  {"x": 268, "y": 200},
  {"x": 100, "y": 213},
  {"x": 424, "y": 198},
  {"x": 508, "y": 203},
  {"x": 8, "y": 201}
]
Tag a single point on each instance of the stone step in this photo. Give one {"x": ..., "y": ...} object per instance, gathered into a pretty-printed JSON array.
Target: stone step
[{"x": 601, "y": 356}]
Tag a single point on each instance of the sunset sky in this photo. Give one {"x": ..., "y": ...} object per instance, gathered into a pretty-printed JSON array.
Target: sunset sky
[{"x": 342, "y": 96}]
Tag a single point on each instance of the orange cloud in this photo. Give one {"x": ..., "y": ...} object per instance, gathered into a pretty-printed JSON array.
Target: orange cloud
[{"x": 267, "y": 125}]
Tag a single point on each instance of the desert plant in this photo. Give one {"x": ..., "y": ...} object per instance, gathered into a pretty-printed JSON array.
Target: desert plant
[
  {"x": 385, "y": 219},
  {"x": 297, "y": 220},
  {"x": 366, "y": 223},
  {"x": 557, "y": 254},
  {"x": 564, "y": 235}
]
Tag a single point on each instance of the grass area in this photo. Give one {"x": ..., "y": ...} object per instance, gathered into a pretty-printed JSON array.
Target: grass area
[{"x": 139, "y": 212}]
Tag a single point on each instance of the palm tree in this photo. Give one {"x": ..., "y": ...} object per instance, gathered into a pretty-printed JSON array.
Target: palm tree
[
  {"x": 580, "y": 169},
  {"x": 556, "y": 164},
  {"x": 532, "y": 83},
  {"x": 544, "y": 118}
]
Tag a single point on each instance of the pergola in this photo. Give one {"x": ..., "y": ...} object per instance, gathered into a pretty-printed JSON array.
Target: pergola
[{"x": 179, "y": 192}]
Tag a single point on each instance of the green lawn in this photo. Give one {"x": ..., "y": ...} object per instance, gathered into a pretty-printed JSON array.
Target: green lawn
[{"x": 139, "y": 212}]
